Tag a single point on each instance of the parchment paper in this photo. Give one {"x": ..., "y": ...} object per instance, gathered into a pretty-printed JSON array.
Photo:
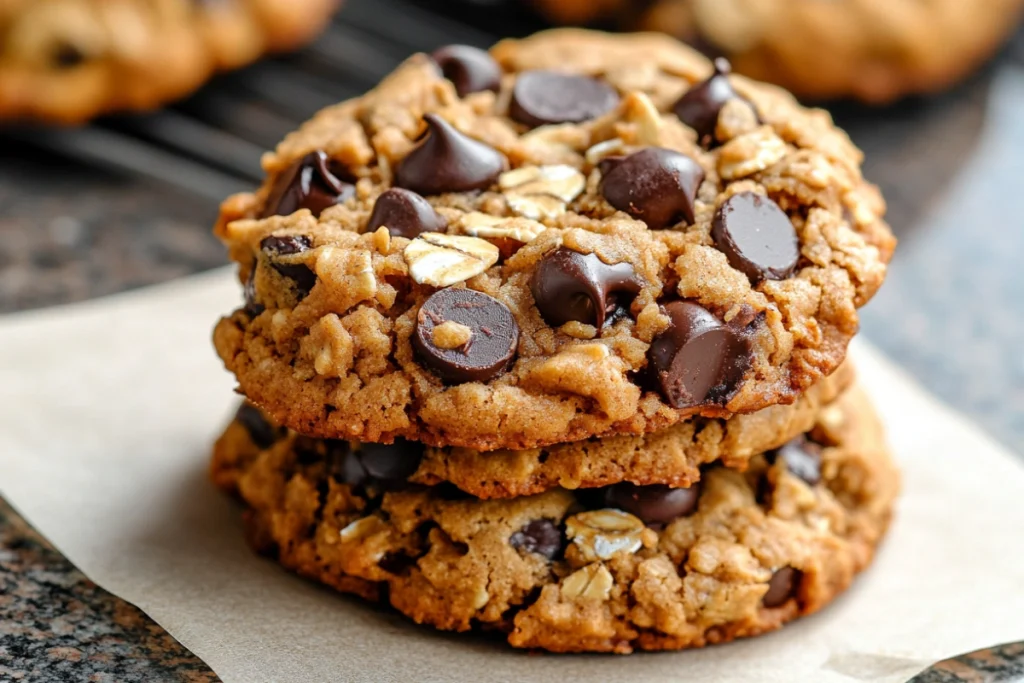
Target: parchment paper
[{"x": 108, "y": 412}]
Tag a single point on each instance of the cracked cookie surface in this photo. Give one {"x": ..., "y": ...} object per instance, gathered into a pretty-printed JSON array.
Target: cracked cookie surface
[
  {"x": 70, "y": 60},
  {"x": 606, "y": 236},
  {"x": 672, "y": 457},
  {"x": 605, "y": 570},
  {"x": 874, "y": 51}
]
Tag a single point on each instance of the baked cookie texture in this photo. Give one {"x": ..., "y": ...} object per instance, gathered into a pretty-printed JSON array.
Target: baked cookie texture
[
  {"x": 67, "y": 61},
  {"x": 576, "y": 234},
  {"x": 672, "y": 457},
  {"x": 868, "y": 49},
  {"x": 602, "y": 570}
]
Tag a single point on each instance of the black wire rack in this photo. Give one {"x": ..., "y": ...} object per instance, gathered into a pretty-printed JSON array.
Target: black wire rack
[{"x": 210, "y": 144}]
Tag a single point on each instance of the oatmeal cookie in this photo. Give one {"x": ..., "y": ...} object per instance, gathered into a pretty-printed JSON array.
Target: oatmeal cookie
[
  {"x": 69, "y": 60},
  {"x": 604, "y": 570},
  {"x": 672, "y": 457},
  {"x": 874, "y": 51},
  {"x": 576, "y": 234}
]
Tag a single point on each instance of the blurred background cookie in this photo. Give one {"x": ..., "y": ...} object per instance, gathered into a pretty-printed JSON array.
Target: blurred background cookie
[
  {"x": 69, "y": 60},
  {"x": 872, "y": 50}
]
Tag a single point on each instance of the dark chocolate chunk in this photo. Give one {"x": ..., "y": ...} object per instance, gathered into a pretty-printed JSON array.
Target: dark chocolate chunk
[
  {"x": 543, "y": 97},
  {"x": 756, "y": 236},
  {"x": 287, "y": 245},
  {"x": 782, "y": 587},
  {"x": 653, "y": 504},
  {"x": 489, "y": 351},
  {"x": 540, "y": 536},
  {"x": 448, "y": 161},
  {"x": 312, "y": 183},
  {"x": 698, "y": 360},
  {"x": 405, "y": 214},
  {"x": 655, "y": 185},
  {"x": 260, "y": 430},
  {"x": 568, "y": 285},
  {"x": 381, "y": 466},
  {"x": 802, "y": 458},
  {"x": 470, "y": 69},
  {"x": 700, "y": 106}
]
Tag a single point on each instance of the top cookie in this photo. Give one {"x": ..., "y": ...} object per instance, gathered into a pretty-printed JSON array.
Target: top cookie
[
  {"x": 580, "y": 234},
  {"x": 69, "y": 60},
  {"x": 874, "y": 51}
]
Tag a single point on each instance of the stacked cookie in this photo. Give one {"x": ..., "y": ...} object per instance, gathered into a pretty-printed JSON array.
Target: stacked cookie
[
  {"x": 549, "y": 341},
  {"x": 69, "y": 60}
]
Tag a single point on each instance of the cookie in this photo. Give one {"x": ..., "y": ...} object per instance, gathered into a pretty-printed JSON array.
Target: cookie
[
  {"x": 69, "y": 60},
  {"x": 672, "y": 457},
  {"x": 873, "y": 51},
  {"x": 603, "y": 570},
  {"x": 611, "y": 247}
]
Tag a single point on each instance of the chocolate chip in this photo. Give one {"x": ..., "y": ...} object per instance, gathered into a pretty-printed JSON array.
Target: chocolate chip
[
  {"x": 287, "y": 245},
  {"x": 252, "y": 306},
  {"x": 540, "y": 536},
  {"x": 802, "y": 458},
  {"x": 490, "y": 349},
  {"x": 700, "y": 106},
  {"x": 756, "y": 236},
  {"x": 448, "y": 161},
  {"x": 470, "y": 69},
  {"x": 781, "y": 587},
  {"x": 568, "y": 285},
  {"x": 379, "y": 465},
  {"x": 67, "y": 56},
  {"x": 543, "y": 97},
  {"x": 653, "y": 504},
  {"x": 260, "y": 430},
  {"x": 405, "y": 214},
  {"x": 311, "y": 183},
  {"x": 698, "y": 360},
  {"x": 655, "y": 185}
]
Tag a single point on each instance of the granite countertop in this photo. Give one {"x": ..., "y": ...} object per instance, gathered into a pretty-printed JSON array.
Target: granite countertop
[{"x": 951, "y": 313}]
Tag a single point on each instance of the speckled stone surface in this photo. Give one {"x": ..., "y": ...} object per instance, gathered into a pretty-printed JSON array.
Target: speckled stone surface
[
  {"x": 952, "y": 313},
  {"x": 56, "y": 625}
]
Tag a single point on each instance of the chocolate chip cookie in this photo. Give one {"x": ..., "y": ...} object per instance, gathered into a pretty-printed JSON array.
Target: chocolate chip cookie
[
  {"x": 575, "y": 234},
  {"x": 69, "y": 60},
  {"x": 672, "y": 457},
  {"x": 611, "y": 569},
  {"x": 874, "y": 51}
]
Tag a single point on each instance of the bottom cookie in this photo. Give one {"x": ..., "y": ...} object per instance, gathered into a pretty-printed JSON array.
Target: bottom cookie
[{"x": 601, "y": 570}]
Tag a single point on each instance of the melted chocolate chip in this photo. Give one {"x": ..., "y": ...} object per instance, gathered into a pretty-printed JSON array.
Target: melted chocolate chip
[
  {"x": 287, "y": 245},
  {"x": 448, "y": 161},
  {"x": 540, "y": 536},
  {"x": 312, "y": 183},
  {"x": 700, "y": 106},
  {"x": 568, "y": 285},
  {"x": 470, "y": 69},
  {"x": 781, "y": 587},
  {"x": 489, "y": 351},
  {"x": 802, "y": 458},
  {"x": 698, "y": 360},
  {"x": 405, "y": 214},
  {"x": 260, "y": 430},
  {"x": 756, "y": 236},
  {"x": 382, "y": 466},
  {"x": 653, "y": 504},
  {"x": 655, "y": 185},
  {"x": 543, "y": 97}
]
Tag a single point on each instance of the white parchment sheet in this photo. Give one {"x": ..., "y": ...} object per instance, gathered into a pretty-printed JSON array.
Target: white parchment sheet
[{"x": 107, "y": 413}]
